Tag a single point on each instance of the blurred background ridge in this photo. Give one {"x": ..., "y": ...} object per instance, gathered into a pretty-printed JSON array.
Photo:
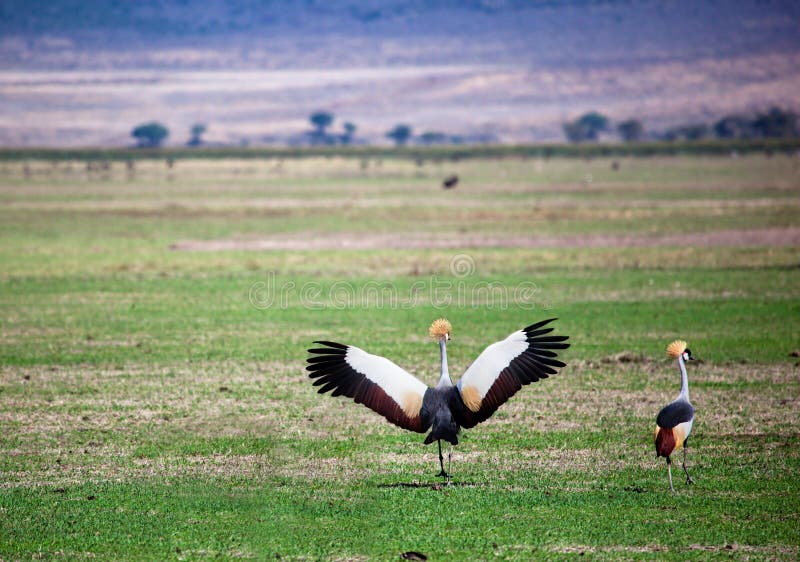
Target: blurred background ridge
[{"x": 84, "y": 73}]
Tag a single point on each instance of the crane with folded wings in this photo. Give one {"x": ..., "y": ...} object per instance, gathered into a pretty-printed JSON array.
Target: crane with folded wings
[
  {"x": 495, "y": 376},
  {"x": 675, "y": 420}
]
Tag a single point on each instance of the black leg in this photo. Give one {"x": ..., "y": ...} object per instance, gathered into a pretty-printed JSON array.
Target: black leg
[
  {"x": 449, "y": 463},
  {"x": 441, "y": 459},
  {"x": 688, "y": 478},
  {"x": 669, "y": 471}
]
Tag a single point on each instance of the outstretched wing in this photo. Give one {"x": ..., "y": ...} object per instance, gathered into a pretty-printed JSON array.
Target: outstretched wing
[
  {"x": 503, "y": 368},
  {"x": 371, "y": 380}
]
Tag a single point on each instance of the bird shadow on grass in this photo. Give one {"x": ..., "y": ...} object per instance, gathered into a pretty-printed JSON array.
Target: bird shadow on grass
[{"x": 430, "y": 485}]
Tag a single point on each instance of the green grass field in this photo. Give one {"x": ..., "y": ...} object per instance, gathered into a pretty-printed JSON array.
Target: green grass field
[{"x": 154, "y": 402}]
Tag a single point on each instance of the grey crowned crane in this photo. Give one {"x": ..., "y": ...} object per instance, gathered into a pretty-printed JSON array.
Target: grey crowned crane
[
  {"x": 674, "y": 421},
  {"x": 496, "y": 375}
]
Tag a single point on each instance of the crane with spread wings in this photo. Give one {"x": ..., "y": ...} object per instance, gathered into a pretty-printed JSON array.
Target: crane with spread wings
[{"x": 504, "y": 367}]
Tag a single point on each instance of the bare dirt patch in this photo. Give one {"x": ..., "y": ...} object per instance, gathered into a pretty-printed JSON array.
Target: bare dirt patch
[{"x": 414, "y": 241}]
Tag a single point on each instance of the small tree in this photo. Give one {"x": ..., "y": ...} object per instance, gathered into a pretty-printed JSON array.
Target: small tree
[
  {"x": 400, "y": 134},
  {"x": 432, "y": 137},
  {"x": 631, "y": 130},
  {"x": 320, "y": 120},
  {"x": 587, "y": 127},
  {"x": 349, "y": 132},
  {"x": 733, "y": 127},
  {"x": 595, "y": 121},
  {"x": 150, "y": 135},
  {"x": 197, "y": 131},
  {"x": 776, "y": 123},
  {"x": 575, "y": 131}
]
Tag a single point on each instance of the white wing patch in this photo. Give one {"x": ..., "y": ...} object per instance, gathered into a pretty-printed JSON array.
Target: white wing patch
[
  {"x": 489, "y": 364},
  {"x": 683, "y": 430},
  {"x": 393, "y": 379}
]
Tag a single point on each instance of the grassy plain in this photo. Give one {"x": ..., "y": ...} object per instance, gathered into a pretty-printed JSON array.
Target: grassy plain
[{"x": 154, "y": 403}]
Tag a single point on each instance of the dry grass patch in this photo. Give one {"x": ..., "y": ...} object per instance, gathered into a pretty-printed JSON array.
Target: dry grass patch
[
  {"x": 93, "y": 420},
  {"x": 313, "y": 240},
  {"x": 774, "y": 552}
]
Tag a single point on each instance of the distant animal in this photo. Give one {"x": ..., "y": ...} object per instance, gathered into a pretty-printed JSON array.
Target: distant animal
[
  {"x": 450, "y": 182},
  {"x": 615, "y": 165},
  {"x": 496, "y": 375},
  {"x": 674, "y": 421}
]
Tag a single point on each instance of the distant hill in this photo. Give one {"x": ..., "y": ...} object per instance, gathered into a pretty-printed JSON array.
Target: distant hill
[
  {"x": 70, "y": 32},
  {"x": 508, "y": 69}
]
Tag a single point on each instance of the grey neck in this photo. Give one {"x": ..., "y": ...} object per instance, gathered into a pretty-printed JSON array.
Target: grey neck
[
  {"x": 444, "y": 377},
  {"x": 684, "y": 395}
]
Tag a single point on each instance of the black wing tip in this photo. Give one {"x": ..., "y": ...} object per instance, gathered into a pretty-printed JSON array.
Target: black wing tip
[
  {"x": 539, "y": 324},
  {"x": 330, "y": 346},
  {"x": 548, "y": 339},
  {"x": 537, "y": 345},
  {"x": 320, "y": 359}
]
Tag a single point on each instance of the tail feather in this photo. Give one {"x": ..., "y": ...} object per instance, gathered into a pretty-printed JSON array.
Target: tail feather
[{"x": 444, "y": 427}]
